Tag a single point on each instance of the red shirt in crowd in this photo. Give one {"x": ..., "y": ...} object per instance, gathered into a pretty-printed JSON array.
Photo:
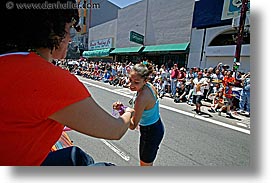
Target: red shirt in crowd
[
  {"x": 228, "y": 89},
  {"x": 175, "y": 73}
]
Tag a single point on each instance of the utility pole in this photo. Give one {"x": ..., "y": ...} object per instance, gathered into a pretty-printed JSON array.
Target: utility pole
[
  {"x": 240, "y": 36},
  {"x": 146, "y": 22}
]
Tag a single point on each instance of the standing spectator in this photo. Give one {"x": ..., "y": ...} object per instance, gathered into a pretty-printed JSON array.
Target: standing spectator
[
  {"x": 119, "y": 68},
  {"x": 228, "y": 78},
  {"x": 174, "y": 80},
  {"x": 218, "y": 75},
  {"x": 218, "y": 67},
  {"x": 124, "y": 71},
  {"x": 228, "y": 83},
  {"x": 207, "y": 86},
  {"x": 189, "y": 74},
  {"x": 156, "y": 79},
  {"x": 190, "y": 85},
  {"x": 198, "y": 91},
  {"x": 114, "y": 69},
  {"x": 238, "y": 77},
  {"x": 181, "y": 77},
  {"x": 245, "y": 94},
  {"x": 165, "y": 78}
]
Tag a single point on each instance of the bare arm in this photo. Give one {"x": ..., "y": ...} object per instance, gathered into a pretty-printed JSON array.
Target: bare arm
[
  {"x": 144, "y": 101},
  {"x": 140, "y": 105},
  {"x": 88, "y": 117}
]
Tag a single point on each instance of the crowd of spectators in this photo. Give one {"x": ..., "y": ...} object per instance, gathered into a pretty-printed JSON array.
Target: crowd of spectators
[{"x": 219, "y": 86}]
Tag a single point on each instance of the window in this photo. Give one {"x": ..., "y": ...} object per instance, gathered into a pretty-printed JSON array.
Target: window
[{"x": 229, "y": 38}]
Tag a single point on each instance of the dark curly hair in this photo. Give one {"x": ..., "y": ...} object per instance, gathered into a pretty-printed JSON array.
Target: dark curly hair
[{"x": 27, "y": 29}]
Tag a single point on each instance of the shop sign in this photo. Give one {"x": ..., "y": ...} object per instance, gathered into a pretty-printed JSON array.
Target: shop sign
[
  {"x": 232, "y": 9},
  {"x": 136, "y": 37},
  {"x": 101, "y": 44}
]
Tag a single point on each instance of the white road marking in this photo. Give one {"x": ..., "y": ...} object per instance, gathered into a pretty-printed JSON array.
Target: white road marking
[
  {"x": 241, "y": 124},
  {"x": 107, "y": 89},
  {"x": 177, "y": 110},
  {"x": 119, "y": 152}
]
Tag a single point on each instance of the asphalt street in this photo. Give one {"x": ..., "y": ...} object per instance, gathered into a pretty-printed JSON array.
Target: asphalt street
[{"x": 190, "y": 139}]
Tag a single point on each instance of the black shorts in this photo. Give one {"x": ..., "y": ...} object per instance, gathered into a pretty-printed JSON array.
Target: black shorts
[
  {"x": 150, "y": 139},
  {"x": 197, "y": 99},
  {"x": 228, "y": 101}
]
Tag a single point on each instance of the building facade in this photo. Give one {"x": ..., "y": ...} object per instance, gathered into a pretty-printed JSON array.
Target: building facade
[
  {"x": 214, "y": 31},
  {"x": 165, "y": 27},
  {"x": 93, "y": 13}
]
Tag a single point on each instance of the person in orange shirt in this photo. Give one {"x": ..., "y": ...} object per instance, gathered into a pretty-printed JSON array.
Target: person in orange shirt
[
  {"x": 228, "y": 83},
  {"x": 228, "y": 79},
  {"x": 38, "y": 98}
]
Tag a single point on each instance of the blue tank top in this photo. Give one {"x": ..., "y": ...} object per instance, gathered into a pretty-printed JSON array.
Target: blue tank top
[{"x": 152, "y": 115}]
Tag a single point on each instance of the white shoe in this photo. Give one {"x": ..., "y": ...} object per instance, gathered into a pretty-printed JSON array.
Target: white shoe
[{"x": 240, "y": 111}]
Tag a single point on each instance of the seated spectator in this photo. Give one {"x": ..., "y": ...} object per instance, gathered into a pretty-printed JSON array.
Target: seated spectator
[
  {"x": 96, "y": 75},
  {"x": 181, "y": 93},
  {"x": 156, "y": 79},
  {"x": 126, "y": 81},
  {"x": 106, "y": 76},
  {"x": 159, "y": 87},
  {"x": 214, "y": 90},
  {"x": 122, "y": 80},
  {"x": 217, "y": 101},
  {"x": 114, "y": 81}
]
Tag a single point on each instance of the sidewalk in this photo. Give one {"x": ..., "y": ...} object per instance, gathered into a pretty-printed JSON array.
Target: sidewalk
[{"x": 237, "y": 120}]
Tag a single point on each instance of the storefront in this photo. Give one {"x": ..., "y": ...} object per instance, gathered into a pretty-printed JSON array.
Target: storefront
[
  {"x": 167, "y": 54},
  {"x": 99, "y": 50},
  {"x": 99, "y": 55},
  {"x": 129, "y": 54}
]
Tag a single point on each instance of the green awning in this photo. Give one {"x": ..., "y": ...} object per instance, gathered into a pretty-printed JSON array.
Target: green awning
[
  {"x": 167, "y": 47},
  {"x": 126, "y": 50},
  {"x": 97, "y": 53}
]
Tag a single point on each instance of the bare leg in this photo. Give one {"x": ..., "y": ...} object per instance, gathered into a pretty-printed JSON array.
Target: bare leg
[{"x": 145, "y": 164}]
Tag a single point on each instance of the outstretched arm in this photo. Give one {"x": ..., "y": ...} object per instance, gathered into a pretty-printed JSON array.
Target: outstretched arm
[{"x": 88, "y": 117}]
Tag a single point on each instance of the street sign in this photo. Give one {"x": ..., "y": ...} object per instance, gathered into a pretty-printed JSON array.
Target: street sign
[{"x": 136, "y": 37}]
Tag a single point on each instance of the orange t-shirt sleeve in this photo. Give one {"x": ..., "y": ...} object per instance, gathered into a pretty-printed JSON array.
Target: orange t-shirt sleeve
[
  {"x": 61, "y": 90},
  {"x": 48, "y": 89}
]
